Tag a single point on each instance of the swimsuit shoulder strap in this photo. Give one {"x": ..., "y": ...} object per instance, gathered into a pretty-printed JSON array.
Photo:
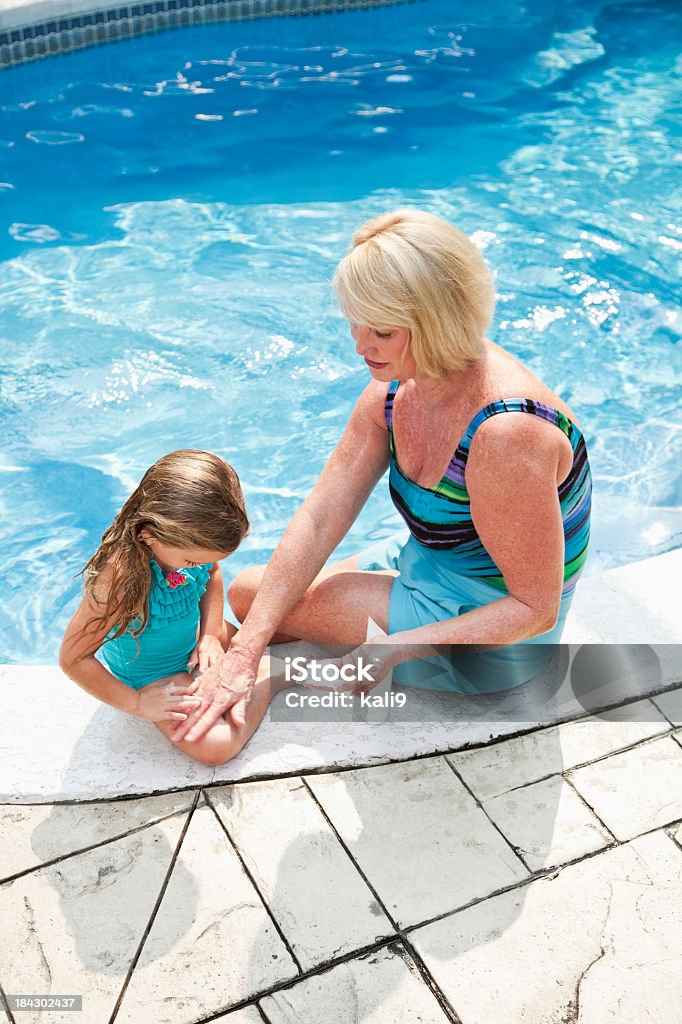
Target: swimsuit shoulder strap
[
  {"x": 388, "y": 404},
  {"x": 528, "y": 405}
]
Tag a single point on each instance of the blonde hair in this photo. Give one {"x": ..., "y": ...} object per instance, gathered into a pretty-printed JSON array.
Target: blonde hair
[
  {"x": 187, "y": 498},
  {"x": 412, "y": 269}
]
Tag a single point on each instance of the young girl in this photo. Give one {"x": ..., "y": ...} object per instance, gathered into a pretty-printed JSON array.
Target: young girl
[{"x": 153, "y": 601}]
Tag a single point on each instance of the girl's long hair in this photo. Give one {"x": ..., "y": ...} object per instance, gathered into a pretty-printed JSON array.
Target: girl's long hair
[{"x": 188, "y": 498}]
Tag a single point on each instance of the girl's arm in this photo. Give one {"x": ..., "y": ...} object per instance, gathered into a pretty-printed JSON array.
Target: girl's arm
[
  {"x": 209, "y": 648},
  {"x": 77, "y": 660}
]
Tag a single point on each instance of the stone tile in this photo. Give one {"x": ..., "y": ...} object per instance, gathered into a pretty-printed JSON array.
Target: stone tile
[
  {"x": 547, "y": 823},
  {"x": 418, "y": 835},
  {"x": 313, "y": 889},
  {"x": 33, "y": 834},
  {"x": 212, "y": 943},
  {"x": 636, "y": 790},
  {"x": 598, "y": 941},
  {"x": 502, "y": 766},
  {"x": 378, "y": 988},
  {"x": 670, "y": 704},
  {"x": 74, "y": 927}
]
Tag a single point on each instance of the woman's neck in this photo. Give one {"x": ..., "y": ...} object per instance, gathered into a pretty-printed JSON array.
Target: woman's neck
[{"x": 457, "y": 384}]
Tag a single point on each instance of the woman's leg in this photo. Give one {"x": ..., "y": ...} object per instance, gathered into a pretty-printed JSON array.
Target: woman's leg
[
  {"x": 224, "y": 740},
  {"x": 334, "y": 609}
]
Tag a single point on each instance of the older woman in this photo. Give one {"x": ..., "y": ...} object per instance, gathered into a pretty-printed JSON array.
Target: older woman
[{"x": 497, "y": 506}]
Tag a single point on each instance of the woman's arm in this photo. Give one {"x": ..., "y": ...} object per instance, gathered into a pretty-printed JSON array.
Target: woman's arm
[
  {"x": 353, "y": 470},
  {"x": 511, "y": 478},
  {"x": 82, "y": 639},
  {"x": 357, "y": 463}
]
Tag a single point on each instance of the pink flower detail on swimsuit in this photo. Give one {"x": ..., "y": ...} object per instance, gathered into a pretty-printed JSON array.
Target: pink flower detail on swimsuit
[{"x": 175, "y": 579}]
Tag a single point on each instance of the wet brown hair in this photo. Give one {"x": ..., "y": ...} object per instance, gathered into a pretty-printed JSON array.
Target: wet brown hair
[{"x": 187, "y": 498}]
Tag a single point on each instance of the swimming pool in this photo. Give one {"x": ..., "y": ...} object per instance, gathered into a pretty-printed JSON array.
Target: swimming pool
[{"x": 172, "y": 208}]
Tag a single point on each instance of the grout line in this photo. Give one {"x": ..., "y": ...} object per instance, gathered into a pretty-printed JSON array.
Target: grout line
[
  {"x": 93, "y": 846},
  {"x": 571, "y": 783},
  {"x": 483, "y": 745},
  {"x": 621, "y": 750},
  {"x": 5, "y": 1005},
  {"x": 493, "y": 823},
  {"x": 353, "y": 861},
  {"x": 580, "y": 764},
  {"x": 676, "y": 841},
  {"x": 550, "y": 872},
  {"x": 659, "y": 708},
  {"x": 324, "y": 968},
  {"x": 245, "y": 868},
  {"x": 121, "y": 798},
  {"x": 337, "y": 768},
  {"x": 150, "y": 923},
  {"x": 391, "y": 943},
  {"x": 431, "y": 983}
]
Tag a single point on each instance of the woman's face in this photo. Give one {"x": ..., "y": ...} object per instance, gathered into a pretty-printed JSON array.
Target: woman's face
[{"x": 386, "y": 351}]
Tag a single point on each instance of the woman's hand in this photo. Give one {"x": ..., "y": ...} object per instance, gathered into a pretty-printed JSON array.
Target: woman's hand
[
  {"x": 227, "y": 684},
  {"x": 207, "y": 652},
  {"x": 169, "y": 699}
]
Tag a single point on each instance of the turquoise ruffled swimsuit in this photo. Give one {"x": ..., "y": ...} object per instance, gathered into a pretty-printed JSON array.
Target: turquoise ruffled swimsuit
[
  {"x": 170, "y": 635},
  {"x": 445, "y": 571}
]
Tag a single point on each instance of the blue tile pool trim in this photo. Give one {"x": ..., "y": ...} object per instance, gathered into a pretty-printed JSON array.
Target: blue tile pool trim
[{"x": 62, "y": 35}]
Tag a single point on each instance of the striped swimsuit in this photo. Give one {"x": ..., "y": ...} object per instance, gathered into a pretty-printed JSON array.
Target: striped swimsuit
[{"x": 444, "y": 569}]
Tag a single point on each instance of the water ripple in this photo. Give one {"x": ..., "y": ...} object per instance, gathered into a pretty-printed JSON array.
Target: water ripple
[{"x": 174, "y": 289}]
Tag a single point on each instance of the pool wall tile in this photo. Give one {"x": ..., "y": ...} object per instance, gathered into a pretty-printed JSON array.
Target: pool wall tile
[{"x": 100, "y": 24}]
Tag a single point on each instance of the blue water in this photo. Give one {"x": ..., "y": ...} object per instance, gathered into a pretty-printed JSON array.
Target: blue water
[{"x": 172, "y": 208}]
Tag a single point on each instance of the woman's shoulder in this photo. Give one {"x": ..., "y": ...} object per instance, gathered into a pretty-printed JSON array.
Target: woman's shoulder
[
  {"x": 512, "y": 379},
  {"x": 373, "y": 401}
]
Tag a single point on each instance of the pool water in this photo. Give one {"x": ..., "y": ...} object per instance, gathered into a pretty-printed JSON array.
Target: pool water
[{"x": 172, "y": 208}]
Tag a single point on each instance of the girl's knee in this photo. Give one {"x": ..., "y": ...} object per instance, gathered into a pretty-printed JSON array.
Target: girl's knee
[{"x": 214, "y": 754}]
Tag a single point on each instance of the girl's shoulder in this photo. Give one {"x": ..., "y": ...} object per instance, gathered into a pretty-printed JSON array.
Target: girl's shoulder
[{"x": 97, "y": 585}]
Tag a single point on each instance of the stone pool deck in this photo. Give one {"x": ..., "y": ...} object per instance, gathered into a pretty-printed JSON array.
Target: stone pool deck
[
  {"x": 470, "y": 887},
  {"x": 531, "y": 877}
]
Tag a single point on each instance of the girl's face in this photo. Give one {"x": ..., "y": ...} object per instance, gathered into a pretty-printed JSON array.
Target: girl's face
[
  {"x": 171, "y": 558},
  {"x": 386, "y": 351}
]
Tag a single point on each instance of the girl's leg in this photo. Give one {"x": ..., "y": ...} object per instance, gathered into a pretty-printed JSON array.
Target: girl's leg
[
  {"x": 334, "y": 609},
  {"x": 224, "y": 740}
]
